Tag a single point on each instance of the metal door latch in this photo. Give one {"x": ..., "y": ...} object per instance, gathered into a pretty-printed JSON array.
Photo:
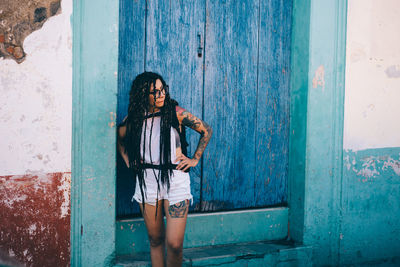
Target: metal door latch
[{"x": 200, "y": 48}]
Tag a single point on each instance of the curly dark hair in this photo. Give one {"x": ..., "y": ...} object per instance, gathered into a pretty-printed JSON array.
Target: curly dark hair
[{"x": 137, "y": 112}]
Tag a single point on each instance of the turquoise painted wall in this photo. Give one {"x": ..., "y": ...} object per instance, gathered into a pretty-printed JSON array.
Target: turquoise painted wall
[
  {"x": 370, "y": 229},
  {"x": 94, "y": 94},
  {"x": 317, "y": 96},
  {"x": 345, "y": 204}
]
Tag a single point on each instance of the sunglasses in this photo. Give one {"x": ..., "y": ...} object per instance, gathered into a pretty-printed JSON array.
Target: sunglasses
[{"x": 157, "y": 93}]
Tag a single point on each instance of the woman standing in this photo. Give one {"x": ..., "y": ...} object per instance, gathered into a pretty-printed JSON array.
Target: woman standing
[{"x": 152, "y": 143}]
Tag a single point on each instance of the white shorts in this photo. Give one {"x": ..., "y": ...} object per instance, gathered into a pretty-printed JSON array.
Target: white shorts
[{"x": 179, "y": 188}]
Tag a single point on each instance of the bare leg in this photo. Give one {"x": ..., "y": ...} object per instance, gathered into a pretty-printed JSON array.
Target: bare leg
[
  {"x": 176, "y": 222},
  {"x": 156, "y": 231}
]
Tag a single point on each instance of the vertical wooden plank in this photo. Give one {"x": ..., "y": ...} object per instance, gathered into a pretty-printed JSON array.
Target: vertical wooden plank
[
  {"x": 130, "y": 63},
  {"x": 230, "y": 103},
  {"x": 273, "y": 103},
  {"x": 172, "y": 51},
  {"x": 132, "y": 21}
]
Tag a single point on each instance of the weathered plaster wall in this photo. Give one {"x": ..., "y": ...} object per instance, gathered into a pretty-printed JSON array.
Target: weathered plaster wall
[
  {"x": 18, "y": 19},
  {"x": 35, "y": 165},
  {"x": 371, "y": 207},
  {"x": 372, "y": 75},
  {"x": 370, "y": 226}
]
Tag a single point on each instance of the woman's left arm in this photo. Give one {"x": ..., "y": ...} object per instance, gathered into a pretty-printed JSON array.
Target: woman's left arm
[{"x": 187, "y": 119}]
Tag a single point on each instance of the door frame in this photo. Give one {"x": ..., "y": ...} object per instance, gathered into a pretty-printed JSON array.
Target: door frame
[
  {"x": 316, "y": 127},
  {"x": 317, "y": 92},
  {"x": 94, "y": 106}
]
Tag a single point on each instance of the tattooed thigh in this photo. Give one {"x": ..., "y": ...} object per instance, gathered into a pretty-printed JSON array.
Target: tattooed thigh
[{"x": 179, "y": 209}]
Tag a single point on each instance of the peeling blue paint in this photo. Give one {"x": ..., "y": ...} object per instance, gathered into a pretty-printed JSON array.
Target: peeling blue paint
[{"x": 371, "y": 207}]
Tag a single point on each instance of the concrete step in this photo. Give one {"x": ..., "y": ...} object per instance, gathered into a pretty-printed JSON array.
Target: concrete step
[
  {"x": 210, "y": 229},
  {"x": 261, "y": 253}
]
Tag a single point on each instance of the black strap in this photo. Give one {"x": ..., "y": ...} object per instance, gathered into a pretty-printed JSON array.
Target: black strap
[
  {"x": 158, "y": 167},
  {"x": 155, "y": 114}
]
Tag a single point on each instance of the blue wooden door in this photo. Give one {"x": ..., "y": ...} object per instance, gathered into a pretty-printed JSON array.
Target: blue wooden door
[{"x": 228, "y": 63}]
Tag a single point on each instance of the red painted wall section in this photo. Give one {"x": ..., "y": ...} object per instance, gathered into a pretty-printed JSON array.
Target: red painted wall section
[{"x": 35, "y": 218}]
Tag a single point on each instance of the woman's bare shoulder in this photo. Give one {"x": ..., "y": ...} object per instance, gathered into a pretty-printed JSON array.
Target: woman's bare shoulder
[
  {"x": 181, "y": 113},
  {"x": 179, "y": 110},
  {"x": 122, "y": 128}
]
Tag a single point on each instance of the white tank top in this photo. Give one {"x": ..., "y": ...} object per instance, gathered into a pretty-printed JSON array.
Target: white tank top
[
  {"x": 150, "y": 176},
  {"x": 153, "y": 145}
]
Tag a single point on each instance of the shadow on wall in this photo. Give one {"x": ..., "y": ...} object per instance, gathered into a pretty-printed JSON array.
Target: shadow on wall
[{"x": 18, "y": 19}]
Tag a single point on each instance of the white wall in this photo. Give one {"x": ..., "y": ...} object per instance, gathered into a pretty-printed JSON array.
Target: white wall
[
  {"x": 372, "y": 98},
  {"x": 35, "y": 103}
]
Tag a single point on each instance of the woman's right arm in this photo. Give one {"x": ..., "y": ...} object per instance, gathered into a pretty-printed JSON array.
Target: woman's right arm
[{"x": 121, "y": 148}]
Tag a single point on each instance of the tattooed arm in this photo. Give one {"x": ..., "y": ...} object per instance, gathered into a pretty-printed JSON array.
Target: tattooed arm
[{"x": 187, "y": 119}]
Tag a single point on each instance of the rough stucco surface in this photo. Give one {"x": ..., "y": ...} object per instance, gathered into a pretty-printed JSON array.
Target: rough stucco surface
[
  {"x": 35, "y": 218},
  {"x": 370, "y": 222},
  {"x": 18, "y": 19},
  {"x": 35, "y": 103},
  {"x": 371, "y": 209},
  {"x": 372, "y": 75},
  {"x": 35, "y": 147}
]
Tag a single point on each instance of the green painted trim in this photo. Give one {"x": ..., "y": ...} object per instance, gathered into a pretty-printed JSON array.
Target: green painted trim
[
  {"x": 317, "y": 112},
  {"x": 338, "y": 95},
  {"x": 221, "y": 228},
  {"x": 76, "y": 160},
  {"x": 94, "y": 94},
  {"x": 323, "y": 48},
  {"x": 298, "y": 116}
]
